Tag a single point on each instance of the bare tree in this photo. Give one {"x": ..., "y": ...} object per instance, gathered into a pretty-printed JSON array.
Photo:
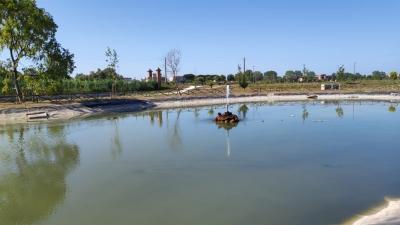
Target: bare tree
[
  {"x": 173, "y": 61},
  {"x": 112, "y": 61}
]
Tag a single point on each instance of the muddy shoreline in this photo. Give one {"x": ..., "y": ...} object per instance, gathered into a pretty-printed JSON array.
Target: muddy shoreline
[{"x": 70, "y": 111}]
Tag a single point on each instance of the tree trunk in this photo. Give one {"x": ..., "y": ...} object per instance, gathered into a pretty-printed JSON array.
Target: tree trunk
[
  {"x": 15, "y": 76},
  {"x": 16, "y": 85}
]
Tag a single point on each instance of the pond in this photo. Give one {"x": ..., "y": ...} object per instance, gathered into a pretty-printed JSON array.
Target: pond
[{"x": 284, "y": 163}]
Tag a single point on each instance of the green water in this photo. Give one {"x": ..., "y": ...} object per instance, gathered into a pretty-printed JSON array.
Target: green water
[{"x": 284, "y": 163}]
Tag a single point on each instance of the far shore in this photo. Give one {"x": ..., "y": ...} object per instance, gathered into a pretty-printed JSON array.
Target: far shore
[
  {"x": 272, "y": 98},
  {"x": 68, "y": 111}
]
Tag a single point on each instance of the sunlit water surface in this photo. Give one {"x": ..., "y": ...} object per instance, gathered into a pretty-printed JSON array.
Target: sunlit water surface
[{"x": 284, "y": 163}]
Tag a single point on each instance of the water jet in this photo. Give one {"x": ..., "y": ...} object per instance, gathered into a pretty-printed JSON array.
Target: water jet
[{"x": 227, "y": 117}]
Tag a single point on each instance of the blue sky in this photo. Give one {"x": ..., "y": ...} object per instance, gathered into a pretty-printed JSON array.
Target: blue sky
[{"x": 214, "y": 35}]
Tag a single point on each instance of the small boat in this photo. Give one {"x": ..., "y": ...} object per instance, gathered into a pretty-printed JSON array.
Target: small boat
[{"x": 312, "y": 96}]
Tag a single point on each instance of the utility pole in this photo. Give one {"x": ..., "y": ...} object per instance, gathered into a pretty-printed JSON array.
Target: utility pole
[
  {"x": 254, "y": 77},
  {"x": 244, "y": 64},
  {"x": 165, "y": 69},
  {"x": 354, "y": 68}
]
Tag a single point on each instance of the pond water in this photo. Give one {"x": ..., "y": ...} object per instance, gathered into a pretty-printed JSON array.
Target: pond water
[{"x": 284, "y": 163}]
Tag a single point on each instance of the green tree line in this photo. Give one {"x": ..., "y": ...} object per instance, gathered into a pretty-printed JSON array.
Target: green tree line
[
  {"x": 37, "y": 64},
  {"x": 289, "y": 76}
]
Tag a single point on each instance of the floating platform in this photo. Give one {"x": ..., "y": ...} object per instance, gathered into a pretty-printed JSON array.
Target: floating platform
[{"x": 227, "y": 117}]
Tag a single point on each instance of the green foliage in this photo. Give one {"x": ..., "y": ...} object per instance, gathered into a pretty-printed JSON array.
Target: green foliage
[
  {"x": 222, "y": 78},
  {"x": 210, "y": 83},
  {"x": 309, "y": 76},
  {"x": 199, "y": 80},
  {"x": 378, "y": 75},
  {"x": 292, "y": 76},
  {"x": 243, "y": 82},
  {"x": 257, "y": 76},
  {"x": 230, "y": 77},
  {"x": 112, "y": 58},
  {"x": 271, "y": 76},
  {"x": 6, "y": 88},
  {"x": 25, "y": 30},
  {"x": 58, "y": 62},
  {"x": 189, "y": 78},
  {"x": 5, "y": 80},
  {"x": 107, "y": 73},
  {"x": 340, "y": 74},
  {"x": 393, "y": 75},
  {"x": 249, "y": 75}
]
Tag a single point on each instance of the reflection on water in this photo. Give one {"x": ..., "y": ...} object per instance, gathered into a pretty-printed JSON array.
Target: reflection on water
[
  {"x": 178, "y": 166},
  {"x": 305, "y": 113},
  {"x": 116, "y": 147},
  {"x": 243, "y": 109},
  {"x": 227, "y": 127},
  {"x": 392, "y": 108},
  {"x": 211, "y": 111},
  {"x": 34, "y": 183},
  {"x": 339, "y": 111}
]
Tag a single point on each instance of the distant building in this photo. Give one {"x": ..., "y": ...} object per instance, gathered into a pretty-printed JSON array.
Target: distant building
[
  {"x": 157, "y": 76},
  {"x": 330, "y": 86},
  {"x": 323, "y": 77}
]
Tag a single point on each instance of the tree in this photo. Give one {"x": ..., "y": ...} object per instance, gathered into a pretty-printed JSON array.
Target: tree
[
  {"x": 310, "y": 76},
  {"x": 257, "y": 75},
  {"x": 243, "y": 82},
  {"x": 189, "y": 78},
  {"x": 340, "y": 74},
  {"x": 222, "y": 78},
  {"x": 292, "y": 76},
  {"x": 199, "y": 80},
  {"x": 249, "y": 75},
  {"x": 173, "y": 61},
  {"x": 210, "y": 83},
  {"x": 58, "y": 63},
  {"x": 4, "y": 79},
  {"x": 99, "y": 74},
  {"x": 230, "y": 77},
  {"x": 112, "y": 63},
  {"x": 270, "y": 75},
  {"x": 393, "y": 75},
  {"x": 378, "y": 75},
  {"x": 24, "y": 31}
]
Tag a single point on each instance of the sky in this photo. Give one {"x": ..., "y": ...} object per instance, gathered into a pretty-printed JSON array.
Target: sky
[{"x": 215, "y": 35}]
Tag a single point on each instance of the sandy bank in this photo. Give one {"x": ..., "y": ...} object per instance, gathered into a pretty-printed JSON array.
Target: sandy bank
[
  {"x": 388, "y": 215},
  {"x": 271, "y": 98},
  {"x": 72, "y": 111}
]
